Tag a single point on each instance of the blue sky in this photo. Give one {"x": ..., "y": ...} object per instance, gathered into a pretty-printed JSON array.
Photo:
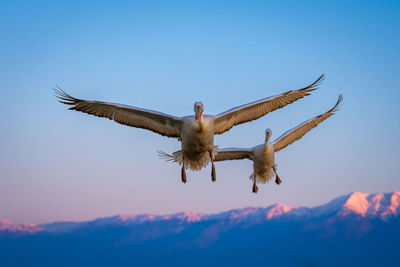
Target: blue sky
[{"x": 57, "y": 164}]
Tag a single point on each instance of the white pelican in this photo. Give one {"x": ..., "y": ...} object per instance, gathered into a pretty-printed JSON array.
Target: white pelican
[
  {"x": 196, "y": 133},
  {"x": 263, "y": 156}
]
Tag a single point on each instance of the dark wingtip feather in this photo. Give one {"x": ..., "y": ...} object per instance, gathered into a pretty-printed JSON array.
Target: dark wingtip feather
[
  {"x": 63, "y": 97},
  {"x": 319, "y": 81},
  {"x": 337, "y": 105},
  {"x": 321, "y": 78},
  {"x": 315, "y": 84}
]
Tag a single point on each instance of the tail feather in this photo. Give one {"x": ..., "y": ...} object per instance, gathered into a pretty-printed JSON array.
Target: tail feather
[
  {"x": 263, "y": 177},
  {"x": 175, "y": 157},
  {"x": 196, "y": 165}
]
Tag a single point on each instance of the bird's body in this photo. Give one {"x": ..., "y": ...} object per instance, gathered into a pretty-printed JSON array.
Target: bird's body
[
  {"x": 197, "y": 141},
  {"x": 264, "y": 161},
  {"x": 196, "y": 133}
]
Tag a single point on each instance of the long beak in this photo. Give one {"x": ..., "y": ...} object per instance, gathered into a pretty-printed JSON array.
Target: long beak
[
  {"x": 267, "y": 137},
  {"x": 197, "y": 116}
]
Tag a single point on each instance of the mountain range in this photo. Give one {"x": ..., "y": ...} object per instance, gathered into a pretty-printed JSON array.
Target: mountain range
[{"x": 359, "y": 228}]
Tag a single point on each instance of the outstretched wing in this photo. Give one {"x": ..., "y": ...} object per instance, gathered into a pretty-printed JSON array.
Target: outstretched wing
[
  {"x": 233, "y": 153},
  {"x": 157, "y": 122},
  {"x": 299, "y": 131},
  {"x": 225, "y": 121}
]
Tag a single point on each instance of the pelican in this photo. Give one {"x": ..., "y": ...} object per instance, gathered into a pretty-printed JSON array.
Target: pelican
[
  {"x": 263, "y": 155},
  {"x": 196, "y": 132}
]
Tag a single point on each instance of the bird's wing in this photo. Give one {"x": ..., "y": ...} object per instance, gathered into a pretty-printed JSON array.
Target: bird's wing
[
  {"x": 299, "y": 131},
  {"x": 233, "y": 153},
  {"x": 225, "y": 121},
  {"x": 157, "y": 122}
]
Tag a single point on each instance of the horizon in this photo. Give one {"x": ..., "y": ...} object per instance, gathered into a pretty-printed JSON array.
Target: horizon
[
  {"x": 212, "y": 213},
  {"x": 59, "y": 165}
]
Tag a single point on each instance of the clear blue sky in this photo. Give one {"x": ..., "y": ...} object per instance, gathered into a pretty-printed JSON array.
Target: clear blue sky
[{"x": 57, "y": 164}]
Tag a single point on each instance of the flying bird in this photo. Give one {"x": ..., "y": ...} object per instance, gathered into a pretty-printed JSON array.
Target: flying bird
[
  {"x": 196, "y": 132},
  {"x": 263, "y": 155}
]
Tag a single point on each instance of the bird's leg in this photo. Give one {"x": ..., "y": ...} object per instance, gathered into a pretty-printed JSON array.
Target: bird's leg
[
  {"x": 277, "y": 179},
  {"x": 183, "y": 172},
  {"x": 213, "y": 176},
  {"x": 255, "y": 187}
]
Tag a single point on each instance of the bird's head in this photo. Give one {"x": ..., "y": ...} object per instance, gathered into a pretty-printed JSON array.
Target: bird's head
[
  {"x": 268, "y": 134},
  {"x": 198, "y": 111}
]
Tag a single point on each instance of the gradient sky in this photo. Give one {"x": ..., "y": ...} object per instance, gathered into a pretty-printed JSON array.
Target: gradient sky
[{"x": 57, "y": 164}]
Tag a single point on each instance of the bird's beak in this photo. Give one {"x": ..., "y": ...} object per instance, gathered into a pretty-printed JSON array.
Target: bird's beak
[
  {"x": 267, "y": 137},
  {"x": 197, "y": 118}
]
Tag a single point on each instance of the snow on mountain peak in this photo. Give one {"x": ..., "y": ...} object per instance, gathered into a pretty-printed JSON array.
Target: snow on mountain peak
[
  {"x": 394, "y": 206},
  {"x": 280, "y": 209},
  {"x": 141, "y": 218},
  {"x": 356, "y": 203},
  {"x": 372, "y": 205},
  {"x": 23, "y": 228},
  {"x": 189, "y": 216}
]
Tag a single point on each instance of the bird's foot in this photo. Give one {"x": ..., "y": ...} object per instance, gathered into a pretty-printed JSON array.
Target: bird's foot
[
  {"x": 278, "y": 180},
  {"x": 183, "y": 175},
  {"x": 213, "y": 176},
  {"x": 255, "y": 188}
]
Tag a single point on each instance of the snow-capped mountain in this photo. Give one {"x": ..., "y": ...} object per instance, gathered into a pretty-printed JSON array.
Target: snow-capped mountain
[
  {"x": 356, "y": 229},
  {"x": 363, "y": 204},
  {"x": 381, "y": 205}
]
